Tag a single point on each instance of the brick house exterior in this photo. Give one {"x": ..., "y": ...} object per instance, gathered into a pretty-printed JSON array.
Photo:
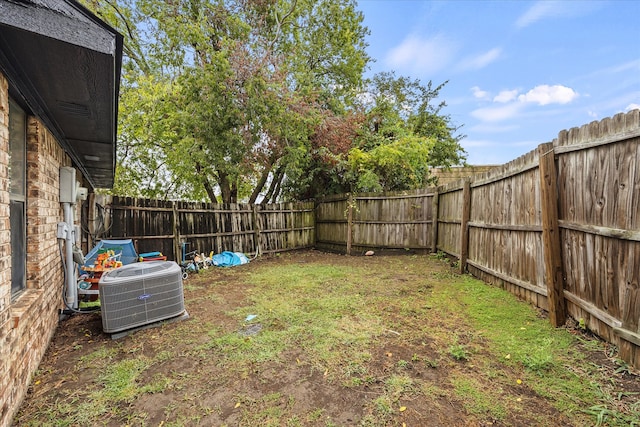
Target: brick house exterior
[
  {"x": 28, "y": 323},
  {"x": 30, "y": 314}
]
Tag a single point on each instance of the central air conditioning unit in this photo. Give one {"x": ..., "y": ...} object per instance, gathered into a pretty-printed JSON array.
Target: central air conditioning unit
[{"x": 139, "y": 294}]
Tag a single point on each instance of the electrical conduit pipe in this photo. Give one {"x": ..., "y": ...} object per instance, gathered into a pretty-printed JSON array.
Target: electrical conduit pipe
[{"x": 72, "y": 290}]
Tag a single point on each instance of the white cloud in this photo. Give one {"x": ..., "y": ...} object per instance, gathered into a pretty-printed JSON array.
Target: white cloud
[
  {"x": 627, "y": 66},
  {"x": 495, "y": 114},
  {"x": 479, "y": 93},
  {"x": 633, "y": 66},
  {"x": 538, "y": 11},
  {"x": 424, "y": 55},
  {"x": 556, "y": 9},
  {"x": 506, "y": 96},
  {"x": 545, "y": 94},
  {"x": 632, "y": 107},
  {"x": 508, "y": 104},
  {"x": 480, "y": 61}
]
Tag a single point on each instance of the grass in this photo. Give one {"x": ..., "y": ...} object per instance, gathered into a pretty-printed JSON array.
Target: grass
[
  {"x": 287, "y": 305},
  {"x": 478, "y": 399},
  {"x": 520, "y": 338},
  {"x": 405, "y": 338}
]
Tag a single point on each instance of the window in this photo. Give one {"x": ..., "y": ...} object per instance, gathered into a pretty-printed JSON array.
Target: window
[{"x": 17, "y": 195}]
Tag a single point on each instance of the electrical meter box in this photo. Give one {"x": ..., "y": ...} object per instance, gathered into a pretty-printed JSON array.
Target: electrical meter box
[{"x": 67, "y": 185}]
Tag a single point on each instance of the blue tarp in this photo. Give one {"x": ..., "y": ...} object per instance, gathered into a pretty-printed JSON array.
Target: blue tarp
[
  {"x": 229, "y": 259},
  {"x": 123, "y": 247}
]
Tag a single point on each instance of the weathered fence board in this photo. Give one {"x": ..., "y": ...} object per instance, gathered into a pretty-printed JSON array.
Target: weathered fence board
[
  {"x": 599, "y": 217},
  {"x": 362, "y": 222},
  {"x": 449, "y": 219},
  {"x": 164, "y": 226},
  {"x": 552, "y": 252}
]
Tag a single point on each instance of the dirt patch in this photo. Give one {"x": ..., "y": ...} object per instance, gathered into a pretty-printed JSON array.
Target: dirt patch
[{"x": 195, "y": 386}]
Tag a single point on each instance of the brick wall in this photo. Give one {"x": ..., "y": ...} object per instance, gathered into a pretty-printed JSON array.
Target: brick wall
[
  {"x": 5, "y": 254},
  {"x": 28, "y": 323}
]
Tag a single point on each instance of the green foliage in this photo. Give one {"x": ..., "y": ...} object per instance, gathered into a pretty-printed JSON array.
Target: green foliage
[
  {"x": 404, "y": 134},
  {"x": 238, "y": 100},
  {"x": 398, "y": 165},
  {"x": 459, "y": 352},
  {"x": 219, "y": 98},
  {"x": 395, "y": 135},
  {"x": 477, "y": 400}
]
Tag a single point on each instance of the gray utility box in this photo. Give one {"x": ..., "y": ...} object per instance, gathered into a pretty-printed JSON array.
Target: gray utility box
[{"x": 139, "y": 294}]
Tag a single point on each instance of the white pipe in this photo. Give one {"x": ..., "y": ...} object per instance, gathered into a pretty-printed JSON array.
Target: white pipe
[{"x": 72, "y": 291}]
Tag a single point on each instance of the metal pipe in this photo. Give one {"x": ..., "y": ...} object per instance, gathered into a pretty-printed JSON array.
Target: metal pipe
[{"x": 72, "y": 291}]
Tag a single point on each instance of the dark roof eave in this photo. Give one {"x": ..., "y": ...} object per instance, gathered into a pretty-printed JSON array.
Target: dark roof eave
[{"x": 76, "y": 95}]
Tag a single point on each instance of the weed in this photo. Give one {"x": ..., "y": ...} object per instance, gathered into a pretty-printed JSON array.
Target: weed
[
  {"x": 315, "y": 415},
  {"x": 459, "y": 352},
  {"x": 432, "y": 363},
  {"x": 538, "y": 361},
  {"x": 163, "y": 356},
  {"x": 119, "y": 380},
  {"x": 623, "y": 367},
  {"x": 100, "y": 356},
  {"x": 607, "y": 416},
  {"x": 476, "y": 399},
  {"x": 402, "y": 364},
  {"x": 383, "y": 406},
  {"x": 582, "y": 324},
  {"x": 440, "y": 256}
]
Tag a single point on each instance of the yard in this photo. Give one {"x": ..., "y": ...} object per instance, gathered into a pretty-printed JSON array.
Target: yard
[{"x": 315, "y": 339}]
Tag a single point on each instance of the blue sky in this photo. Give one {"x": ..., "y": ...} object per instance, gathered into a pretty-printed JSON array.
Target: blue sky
[{"x": 519, "y": 72}]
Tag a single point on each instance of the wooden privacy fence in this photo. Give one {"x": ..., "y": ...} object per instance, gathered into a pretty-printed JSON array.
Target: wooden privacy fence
[
  {"x": 356, "y": 223},
  {"x": 559, "y": 227},
  {"x": 159, "y": 225}
]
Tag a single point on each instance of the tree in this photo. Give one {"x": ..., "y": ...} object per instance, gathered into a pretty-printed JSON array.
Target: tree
[
  {"x": 399, "y": 134},
  {"x": 223, "y": 97},
  {"x": 261, "y": 100}
]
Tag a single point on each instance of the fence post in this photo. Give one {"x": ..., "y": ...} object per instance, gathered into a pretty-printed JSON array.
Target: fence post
[
  {"x": 434, "y": 221},
  {"x": 91, "y": 221},
  {"x": 464, "y": 224},
  {"x": 177, "y": 251},
  {"x": 349, "y": 222},
  {"x": 553, "y": 267},
  {"x": 256, "y": 229}
]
